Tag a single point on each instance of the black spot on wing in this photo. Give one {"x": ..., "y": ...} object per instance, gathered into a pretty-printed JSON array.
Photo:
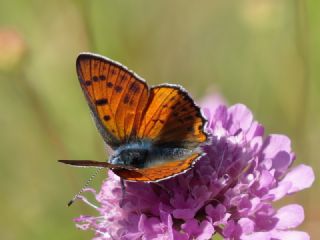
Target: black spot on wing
[
  {"x": 88, "y": 83},
  {"x": 102, "y": 77},
  {"x": 106, "y": 117},
  {"x": 134, "y": 87},
  {"x": 95, "y": 79},
  {"x": 113, "y": 71},
  {"x": 118, "y": 89},
  {"x": 101, "y": 101},
  {"x": 126, "y": 99}
]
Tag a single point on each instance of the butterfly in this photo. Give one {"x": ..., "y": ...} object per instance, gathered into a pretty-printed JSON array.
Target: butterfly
[{"x": 154, "y": 132}]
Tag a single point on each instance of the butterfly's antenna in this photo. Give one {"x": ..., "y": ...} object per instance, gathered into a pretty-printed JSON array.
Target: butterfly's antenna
[{"x": 84, "y": 187}]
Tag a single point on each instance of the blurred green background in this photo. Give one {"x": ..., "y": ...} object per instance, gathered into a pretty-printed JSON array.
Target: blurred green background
[{"x": 263, "y": 53}]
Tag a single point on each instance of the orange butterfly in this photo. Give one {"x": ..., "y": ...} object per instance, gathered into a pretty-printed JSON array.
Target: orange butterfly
[{"x": 154, "y": 132}]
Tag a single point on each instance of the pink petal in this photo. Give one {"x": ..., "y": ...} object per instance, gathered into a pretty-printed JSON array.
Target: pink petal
[
  {"x": 241, "y": 117},
  {"x": 280, "y": 191},
  {"x": 283, "y": 235},
  {"x": 266, "y": 179},
  {"x": 276, "y": 143},
  {"x": 282, "y": 161},
  {"x": 185, "y": 213},
  {"x": 247, "y": 225},
  {"x": 207, "y": 113},
  {"x": 289, "y": 216},
  {"x": 257, "y": 236},
  {"x": 294, "y": 235},
  {"x": 178, "y": 235},
  {"x": 212, "y": 101},
  {"x": 301, "y": 177},
  {"x": 256, "y": 143},
  {"x": 256, "y": 129},
  {"x": 207, "y": 230}
]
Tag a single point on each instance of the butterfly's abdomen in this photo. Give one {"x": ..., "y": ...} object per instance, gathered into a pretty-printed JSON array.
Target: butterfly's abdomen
[{"x": 144, "y": 154}]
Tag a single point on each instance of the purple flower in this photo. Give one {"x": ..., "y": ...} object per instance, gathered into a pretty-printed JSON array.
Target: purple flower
[{"x": 229, "y": 192}]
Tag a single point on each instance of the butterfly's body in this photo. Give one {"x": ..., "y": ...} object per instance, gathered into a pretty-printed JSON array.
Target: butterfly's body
[
  {"x": 144, "y": 154},
  {"x": 155, "y": 132}
]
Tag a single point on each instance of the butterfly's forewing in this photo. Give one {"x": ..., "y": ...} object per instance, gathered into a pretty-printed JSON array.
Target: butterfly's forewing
[
  {"x": 172, "y": 118},
  {"x": 158, "y": 172},
  {"x": 116, "y": 96}
]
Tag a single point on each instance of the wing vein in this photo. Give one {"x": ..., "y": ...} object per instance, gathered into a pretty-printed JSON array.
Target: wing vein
[
  {"x": 112, "y": 93},
  {"x": 142, "y": 111},
  {"x": 165, "y": 99}
]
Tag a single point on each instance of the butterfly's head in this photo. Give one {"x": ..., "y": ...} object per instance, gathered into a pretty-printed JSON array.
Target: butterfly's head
[{"x": 130, "y": 157}]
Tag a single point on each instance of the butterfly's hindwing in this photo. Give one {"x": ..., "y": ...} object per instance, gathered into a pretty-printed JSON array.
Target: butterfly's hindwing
[
  {"x": 172, "y": 118},
  {"x": 159, "y": 172}
]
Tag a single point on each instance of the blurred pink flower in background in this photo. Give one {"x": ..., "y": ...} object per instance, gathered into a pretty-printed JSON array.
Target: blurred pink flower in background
[
  {"x": 229, "y": 192},
  {"x": 12, "y": 48}
]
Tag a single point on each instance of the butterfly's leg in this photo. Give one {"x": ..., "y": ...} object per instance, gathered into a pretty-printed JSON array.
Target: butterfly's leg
[
  {"x": 164, "y": 188},
  {"x": 123, "y": 190}
]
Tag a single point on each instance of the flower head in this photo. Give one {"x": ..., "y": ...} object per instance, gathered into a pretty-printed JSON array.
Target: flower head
[{"x": 228, "y": 192}]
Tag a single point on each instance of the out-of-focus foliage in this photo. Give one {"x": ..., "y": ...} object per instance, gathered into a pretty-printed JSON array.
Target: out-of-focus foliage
[{"x": 263, "y": 53}]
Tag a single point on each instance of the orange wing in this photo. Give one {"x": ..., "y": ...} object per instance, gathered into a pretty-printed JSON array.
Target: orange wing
[
  {"x": 172, "y": 118},
  {"x": 116, "y": 96},
  {"x": 159, "y": 172}
]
